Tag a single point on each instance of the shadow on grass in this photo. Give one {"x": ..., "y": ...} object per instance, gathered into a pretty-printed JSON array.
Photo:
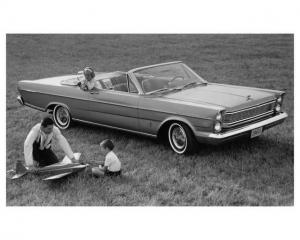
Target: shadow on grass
[
  {"x": 204, "y": 149},
  {"x": 84, "y": 179},
  {"x": 264, "y": 146},
  {"x": 262, "y": 143}
]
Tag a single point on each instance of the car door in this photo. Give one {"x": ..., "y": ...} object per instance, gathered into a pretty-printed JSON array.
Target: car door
[{"x": 112, "y": 107}]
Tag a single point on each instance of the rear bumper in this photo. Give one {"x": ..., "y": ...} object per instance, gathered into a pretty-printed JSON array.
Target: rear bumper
[
  {"x": 217, "y": 138},
  {"x": 20, "y": 100}
]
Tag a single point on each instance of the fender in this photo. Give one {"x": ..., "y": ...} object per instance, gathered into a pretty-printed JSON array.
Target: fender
[
  {"x": 56, "y": 103},
  {"x": 176, "y": 118}
]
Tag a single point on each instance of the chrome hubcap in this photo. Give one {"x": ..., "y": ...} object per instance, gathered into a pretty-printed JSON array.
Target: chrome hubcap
[
  {"x": 178, "y": 137},
  {"x": 62, "y": 116}
]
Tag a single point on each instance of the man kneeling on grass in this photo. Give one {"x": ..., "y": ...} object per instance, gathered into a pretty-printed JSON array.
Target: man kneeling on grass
[
  {"x": 112, "y": 164},
  {"x": 37, "y": 146}
]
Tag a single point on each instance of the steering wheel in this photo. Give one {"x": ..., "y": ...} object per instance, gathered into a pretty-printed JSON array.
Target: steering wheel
[{"x": 176, "y": 78}]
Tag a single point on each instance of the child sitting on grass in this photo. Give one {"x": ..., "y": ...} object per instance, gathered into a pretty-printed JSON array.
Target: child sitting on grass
[{"x": 112, "y": 164}]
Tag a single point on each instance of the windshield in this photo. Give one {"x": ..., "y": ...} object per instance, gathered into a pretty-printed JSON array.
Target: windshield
[{"x": 167, "y": 77}]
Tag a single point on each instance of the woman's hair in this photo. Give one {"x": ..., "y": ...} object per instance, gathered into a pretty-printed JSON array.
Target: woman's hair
[
  {"x": 107, "y": 143},
  {"x": 89, "y": 70},
  {"x": 47, "y": 121}
]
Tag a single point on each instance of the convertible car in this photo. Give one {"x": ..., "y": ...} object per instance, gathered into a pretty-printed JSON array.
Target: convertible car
[{"x": 164, "y": 100}]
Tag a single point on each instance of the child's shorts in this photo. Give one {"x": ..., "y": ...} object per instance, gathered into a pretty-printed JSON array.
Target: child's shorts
[{"x": 110, "y": 173}]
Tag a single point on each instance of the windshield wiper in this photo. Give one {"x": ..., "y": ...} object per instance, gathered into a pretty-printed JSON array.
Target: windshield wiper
[
  {"x": 165, "y": 90},
  {"x": 190, "y": 84},
  {"x": 176, "y": 88},
  {"x": 159, "y": 90}
]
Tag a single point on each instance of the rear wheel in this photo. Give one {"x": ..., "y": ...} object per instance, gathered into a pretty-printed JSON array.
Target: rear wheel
[
  {"x": 181, "y": 138},
  {"x": 62, "y": 117}
]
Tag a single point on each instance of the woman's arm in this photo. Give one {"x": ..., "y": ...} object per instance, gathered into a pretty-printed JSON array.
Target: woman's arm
[{"x": 91, "y": 84}]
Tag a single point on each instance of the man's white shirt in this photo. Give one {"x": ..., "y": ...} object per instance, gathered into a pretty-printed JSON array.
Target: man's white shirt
[
  {"x": 112, "y": 162},
  {"x": 34, "y": 135}
]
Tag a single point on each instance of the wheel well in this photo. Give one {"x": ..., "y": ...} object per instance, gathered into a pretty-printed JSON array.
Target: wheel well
[
  {"x": 163, "y": 130},
  {"x": 50, "y": 108}
]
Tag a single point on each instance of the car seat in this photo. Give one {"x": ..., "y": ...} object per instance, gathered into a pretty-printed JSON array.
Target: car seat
[{"x": 121, "y": 87}]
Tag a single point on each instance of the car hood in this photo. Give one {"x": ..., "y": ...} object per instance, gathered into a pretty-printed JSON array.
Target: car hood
[{"x": 226, "y": 96}]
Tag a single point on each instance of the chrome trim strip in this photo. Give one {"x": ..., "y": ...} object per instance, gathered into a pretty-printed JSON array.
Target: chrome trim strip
[
  {"x": 91, "y": 100},
  {"x": 35, "y": 107},
  {"x": 117, "y": 128},
  {"x": 248, "y": 128},
  {"x": 249, "y": 119},
  {"x": 26, "y": 90},
  {"x": 116, "y": 104},
  {"x": 151, "y": 66},
  {"x": 246, "y": 109},
  {"x": 254, "y": 88}
]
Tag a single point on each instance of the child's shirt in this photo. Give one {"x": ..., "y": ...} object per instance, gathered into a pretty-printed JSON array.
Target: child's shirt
[{"x": 112, "y": 162}]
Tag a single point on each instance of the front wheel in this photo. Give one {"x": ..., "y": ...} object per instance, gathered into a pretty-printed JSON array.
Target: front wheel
[
  {"x": 62, "y": 117},
  {"x": 181, "y": 138}
]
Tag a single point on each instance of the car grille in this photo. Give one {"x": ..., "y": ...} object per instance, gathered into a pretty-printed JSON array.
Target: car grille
[{"x": 248, "y": 114}]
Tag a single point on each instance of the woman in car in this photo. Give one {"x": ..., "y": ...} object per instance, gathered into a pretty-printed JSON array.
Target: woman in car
[{"x": 89, "y": 81}]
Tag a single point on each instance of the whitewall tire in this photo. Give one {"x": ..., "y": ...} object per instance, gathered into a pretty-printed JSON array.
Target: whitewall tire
[
  {"x": 181, "y": 138},
  {"x": 62, "y": 117}
]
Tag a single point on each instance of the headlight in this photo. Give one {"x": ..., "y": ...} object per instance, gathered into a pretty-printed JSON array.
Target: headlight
[
  {"x": 278, "y": 108},
  {"x": 219, "y": 117},
  {"x": 218, "y": 127},
  {"x": 279, "y": 100}
]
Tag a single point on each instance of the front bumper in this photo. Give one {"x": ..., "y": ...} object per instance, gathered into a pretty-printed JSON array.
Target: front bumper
[{"x": 217, "y": 138}]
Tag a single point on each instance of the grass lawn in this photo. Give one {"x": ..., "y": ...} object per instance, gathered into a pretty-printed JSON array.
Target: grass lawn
[{"x": 249, "y": 172}]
